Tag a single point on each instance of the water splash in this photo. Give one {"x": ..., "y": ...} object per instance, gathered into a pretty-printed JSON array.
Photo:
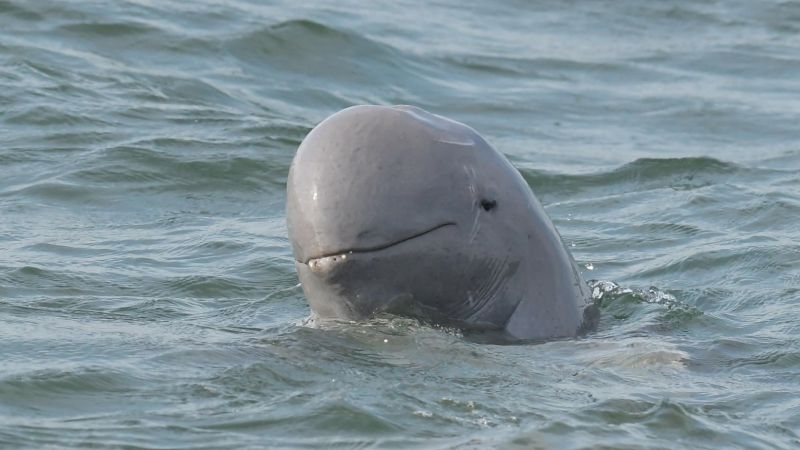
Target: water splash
[{"x": 608, "y": 290}]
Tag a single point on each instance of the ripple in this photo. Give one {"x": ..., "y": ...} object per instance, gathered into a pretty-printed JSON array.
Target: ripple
[
  {"x": 20, "y": 12},
  {"x": 48, "y": 116},
  {"x": 305, "y": 47},
  {"x": 206, "y": 286},
  {"x": 109, "y": 29},
  {"x": 54, "y": 382},
  {"x": 141, "y": 168},
  {"x": 639, "y": 175}
]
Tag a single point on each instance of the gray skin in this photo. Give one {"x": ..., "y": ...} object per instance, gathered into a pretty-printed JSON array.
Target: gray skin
[{"x": 397, "y": 210}]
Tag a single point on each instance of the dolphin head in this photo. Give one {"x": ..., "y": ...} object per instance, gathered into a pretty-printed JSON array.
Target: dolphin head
[{"x": 397, "y": 210}]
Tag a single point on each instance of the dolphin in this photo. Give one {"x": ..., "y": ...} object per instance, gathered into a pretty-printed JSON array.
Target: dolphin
[{"x": 397, "y": 210}]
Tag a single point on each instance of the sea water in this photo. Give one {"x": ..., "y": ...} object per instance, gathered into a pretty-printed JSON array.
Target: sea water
[{"x": 148, "y": 297}]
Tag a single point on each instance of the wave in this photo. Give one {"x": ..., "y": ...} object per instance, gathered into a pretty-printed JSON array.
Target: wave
[
  {"x": 109, "y": 29},
  {"x": 305, "y": 49},
  {"x": 641, "y": 174}
]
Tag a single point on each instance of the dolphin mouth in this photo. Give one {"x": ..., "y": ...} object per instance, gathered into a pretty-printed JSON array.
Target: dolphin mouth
[{"x": 376, "y": 248}]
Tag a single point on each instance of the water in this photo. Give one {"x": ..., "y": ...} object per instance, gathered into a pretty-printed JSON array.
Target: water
[{"x": 147, "y": 293}]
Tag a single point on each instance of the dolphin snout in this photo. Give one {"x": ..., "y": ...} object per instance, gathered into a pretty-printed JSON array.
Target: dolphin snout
[{"x": 326, "y": 265}]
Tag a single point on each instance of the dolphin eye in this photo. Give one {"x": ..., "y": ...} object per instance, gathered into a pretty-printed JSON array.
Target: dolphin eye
[{"x": 488, "y": 205}]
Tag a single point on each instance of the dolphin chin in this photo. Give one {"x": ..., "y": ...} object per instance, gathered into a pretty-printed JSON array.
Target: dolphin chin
[{"x": 396, "y": 210}]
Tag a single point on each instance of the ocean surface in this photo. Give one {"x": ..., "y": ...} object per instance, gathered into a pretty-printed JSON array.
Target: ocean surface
[{"x": 148, "y": 298}]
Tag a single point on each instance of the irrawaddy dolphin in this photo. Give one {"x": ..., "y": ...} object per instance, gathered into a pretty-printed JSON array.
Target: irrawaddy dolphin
[{"x": 396, "y": 210}]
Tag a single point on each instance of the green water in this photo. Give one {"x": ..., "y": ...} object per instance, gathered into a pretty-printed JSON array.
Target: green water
[{"x": 148, "y": 298}]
